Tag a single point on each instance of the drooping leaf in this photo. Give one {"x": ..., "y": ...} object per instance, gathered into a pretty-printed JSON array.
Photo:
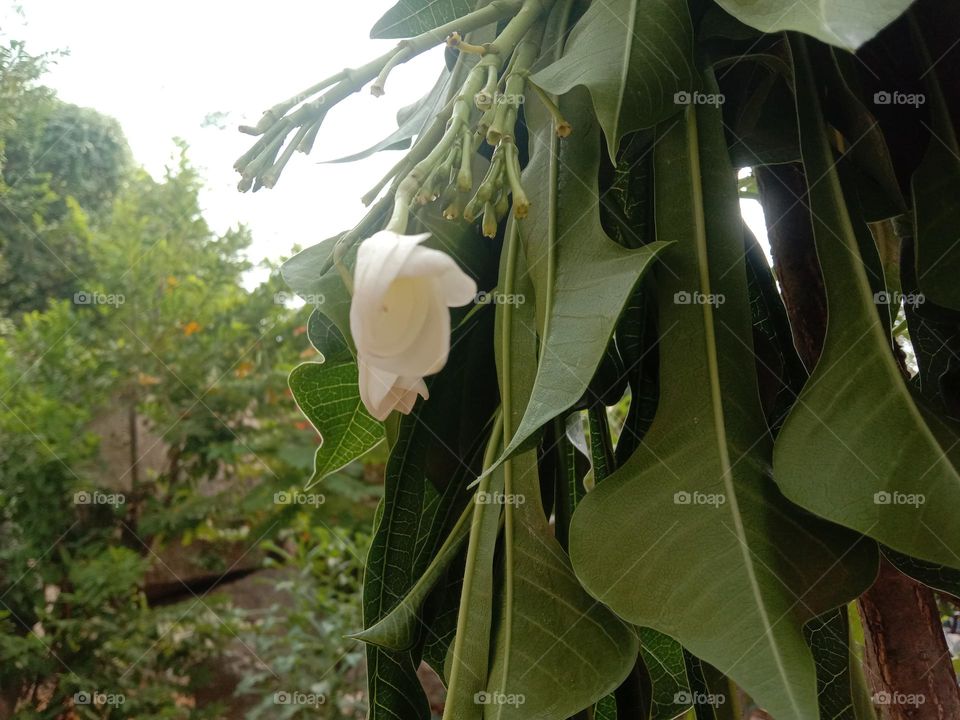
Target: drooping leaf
[
  {"x": 555, "y": 651},
  {"x": 554, "y": 645},
  {"x": 411, "y": 17},
  {"x": 398, "y": 630},
  {"x": 844, "y": 23},
  {"x": 330, "y": 398},
  {"x": 694, "y": 513},
  {"x": 591, "y": 271},
  {"x": 899, "y": 481},
  {"x": 633, "y": 56},
  {"x": 435, "y": 454}
]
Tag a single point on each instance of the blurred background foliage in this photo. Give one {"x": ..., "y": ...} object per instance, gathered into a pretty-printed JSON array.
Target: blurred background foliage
[{"x": 123, "y": 314}]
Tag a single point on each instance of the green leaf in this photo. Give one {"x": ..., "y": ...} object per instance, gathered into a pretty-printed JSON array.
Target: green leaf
[
  {"x": 555, "y": 651},
  {"x": 899, "y": 484},
  {"x": 554, "y": 645},
  {"x": 327, "y": 339},
  {"x": 633, "y": 56},
  {"x": 412, "y": 17},
  {"x": 663, "y": 658},
  {"x": 845, "y": 23},
  {"x": 829, "y": 639},
  {"x": 305, "y": 270},
  {"x": 398, "y": 630},
  {"x": 694, "y": 513},
  {"x": 938, "y": 577},
  {"x": 330, "y": 398},
  {"x": 469, "y": 658},
  {"x": 606, "y": 709},
  {"x": 591, "y": 270}
]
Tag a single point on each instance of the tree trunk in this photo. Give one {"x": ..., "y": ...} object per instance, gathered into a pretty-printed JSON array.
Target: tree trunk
[
  {"x": 908, "y": 664},
  {"x": 906, "y": 654}
]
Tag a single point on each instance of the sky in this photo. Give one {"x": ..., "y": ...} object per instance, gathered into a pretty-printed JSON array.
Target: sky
[{"x": 161, "y": 69}]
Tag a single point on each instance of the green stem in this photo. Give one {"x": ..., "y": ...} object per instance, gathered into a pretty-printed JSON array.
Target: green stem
[
  {"x": 276, "y": 121},
  {"x": 473, "y": 548},
  {"x": 506, "y": 398}
]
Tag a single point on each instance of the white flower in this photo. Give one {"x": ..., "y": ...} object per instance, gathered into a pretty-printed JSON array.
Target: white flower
[{"x": 399, "y": 317}]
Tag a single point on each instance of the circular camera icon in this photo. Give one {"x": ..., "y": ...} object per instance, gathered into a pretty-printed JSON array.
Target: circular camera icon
[
  {"x": 281, "y": 698},
  {"x": 82, "y": 698}
]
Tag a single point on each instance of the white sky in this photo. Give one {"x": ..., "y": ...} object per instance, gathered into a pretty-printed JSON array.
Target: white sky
[{"x": 161, "y": 68}]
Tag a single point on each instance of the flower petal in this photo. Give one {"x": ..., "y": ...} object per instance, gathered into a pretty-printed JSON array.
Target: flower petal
[
  {"x": 427, "y": 351},
  {"x": 379, "y": 260},
  {"x": 458, "y": 287}
]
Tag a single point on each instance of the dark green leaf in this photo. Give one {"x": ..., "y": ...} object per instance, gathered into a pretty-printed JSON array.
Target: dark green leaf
[
  {"x": 633, "y": 56},
  {"x": 900, "y": 484},
  {"x": 694, "y": 513}
]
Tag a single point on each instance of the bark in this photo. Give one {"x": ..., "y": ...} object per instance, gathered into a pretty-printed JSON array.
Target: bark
[
  {"x": 906, "y": 653},
  {"x": 908, "y": 665}
]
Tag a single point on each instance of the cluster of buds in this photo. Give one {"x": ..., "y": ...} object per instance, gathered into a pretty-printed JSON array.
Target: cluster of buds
[{"x": 440, "y": 166}]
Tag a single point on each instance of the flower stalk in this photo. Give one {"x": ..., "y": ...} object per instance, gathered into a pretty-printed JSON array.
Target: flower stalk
[{"x": 281, "y": 119}]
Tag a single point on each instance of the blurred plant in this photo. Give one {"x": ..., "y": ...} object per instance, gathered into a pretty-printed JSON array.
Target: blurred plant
[{"x": 305, "y": 643}]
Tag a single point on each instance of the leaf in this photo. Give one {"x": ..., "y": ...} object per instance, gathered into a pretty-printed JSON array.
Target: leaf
[
  {"x": 330, "y": 398},
  {"x": 470, "y": 653},
  {"x": 398, "y": 629},
  {"x": 938, "y": 577},
  {"x": 899, "y": 485},
  {"x": 633, "y": 56},
  {"x": 591, "y": 270},
  {"x": 393, "y": 687},
  {"x": 694, "y": 513},
  {"x": 327, "y": 339},
  {"x": 606, "y": 709},
  {"x": 304, "y": 271},
  {"x": 845, "y": 23},
  {"x": 410, "y": 121},
  {"x": 411, "y": 17},
  {"x": 829, "y": 639},
  {"x": 936, "y": 213},
  {"x": 555, "y": 650},
  {"x": 663, "y": 658},
  {"x": 554, "y": 645}
]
